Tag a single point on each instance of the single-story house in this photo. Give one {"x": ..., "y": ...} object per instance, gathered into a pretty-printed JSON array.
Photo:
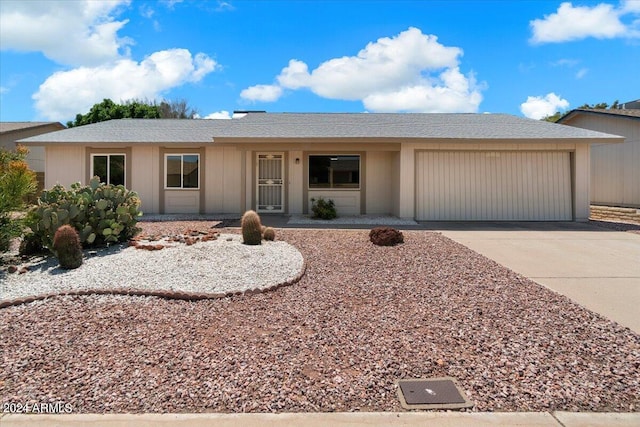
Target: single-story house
[
  {"x": 10, "y": 132},
  {"x": 418, "y": 166},
  {"x": 615, "y": 168}
]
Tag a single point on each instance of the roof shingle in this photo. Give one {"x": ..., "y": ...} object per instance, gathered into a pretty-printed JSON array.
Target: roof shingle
[{"x": 311, "y": 126}]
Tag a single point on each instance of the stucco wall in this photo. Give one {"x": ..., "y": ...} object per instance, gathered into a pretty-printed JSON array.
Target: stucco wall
[
  {"x": 144, "y": 173},
  {"x": 379, "y": 182},
  {"x": 223, "y": 180},
  {"x": 65, "y": 164},
  {"x": 295, "y": 181}
]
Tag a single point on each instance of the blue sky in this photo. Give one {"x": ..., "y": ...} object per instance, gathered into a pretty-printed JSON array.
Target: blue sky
[{"x": 528, "y": 58}]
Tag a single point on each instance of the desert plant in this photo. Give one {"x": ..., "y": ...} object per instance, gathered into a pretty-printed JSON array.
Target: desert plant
[
  {"x": 102, "y": 213},
  {"x": 323, "y": 208},
  {"x": 269, "y": 234},
  {"x": 251, "y": 228},
  {"x": 66, "y": 246},
  {"x": 385, "y": 236},
  {"x": 30, "y": 245},
  {"x": 17, "y": 182}
]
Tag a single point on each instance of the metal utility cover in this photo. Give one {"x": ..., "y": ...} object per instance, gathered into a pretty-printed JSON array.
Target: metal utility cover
[{"x": 432, "y": 393}]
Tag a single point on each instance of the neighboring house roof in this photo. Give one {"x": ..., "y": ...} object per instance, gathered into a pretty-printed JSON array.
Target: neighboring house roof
[
  {"x": 630, "y": 113},
  {"x": 8, "y": 127},
  {"x": 134, "y": 130},
  {"x": 321, "y": 126}
]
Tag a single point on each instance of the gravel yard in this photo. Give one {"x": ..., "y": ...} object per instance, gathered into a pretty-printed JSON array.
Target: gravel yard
[{"x": 360, "y": 318}]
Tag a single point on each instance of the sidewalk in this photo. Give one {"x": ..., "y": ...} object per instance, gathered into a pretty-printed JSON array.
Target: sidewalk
[{"x": 344, "y": 419}]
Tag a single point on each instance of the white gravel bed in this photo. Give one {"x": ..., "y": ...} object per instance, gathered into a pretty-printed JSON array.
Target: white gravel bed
[
  {"x": 352, "y": 220},
  {"x": 219, "y": 266}
]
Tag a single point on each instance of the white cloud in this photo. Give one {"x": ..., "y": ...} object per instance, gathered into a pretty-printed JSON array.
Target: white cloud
[
  {"x": 219, "y": 115},
  {"x": 401, "y": 73},
  {"x": 579, "y": 22},
  {"x": 66, "y": 93},
  {"x": 262, "y": 93},
  {"x": 68, "y": 32},
  {"x": 453, "y": 96},
  {"x": 4, "y": 89},
  {"x": 581, "y": 73},
  {"x": 630, "y": 6},
  {"x": 539, "y": 107}
]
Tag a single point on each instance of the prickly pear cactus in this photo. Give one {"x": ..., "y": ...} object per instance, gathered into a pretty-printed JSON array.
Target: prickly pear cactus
[{"x": 100, "y": 212}]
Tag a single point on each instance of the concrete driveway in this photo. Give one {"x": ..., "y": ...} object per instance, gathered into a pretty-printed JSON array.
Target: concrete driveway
[{"x": 596, "y": 267}]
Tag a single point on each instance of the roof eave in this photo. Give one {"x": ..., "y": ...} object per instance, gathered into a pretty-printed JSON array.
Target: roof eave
[
  {"x": 397, "y": 140},
  {"x": 574, "y": 113}
]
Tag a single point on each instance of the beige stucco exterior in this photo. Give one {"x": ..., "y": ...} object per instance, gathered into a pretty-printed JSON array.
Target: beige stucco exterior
[
  {"x": 615, "y": 174},
  {"x": 228, "y": 174}
]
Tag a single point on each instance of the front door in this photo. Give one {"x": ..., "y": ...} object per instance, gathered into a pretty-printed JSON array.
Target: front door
[{"x": 270, "y": 185}]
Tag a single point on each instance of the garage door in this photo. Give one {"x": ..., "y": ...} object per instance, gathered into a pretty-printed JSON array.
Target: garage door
[{"x": 484, "y": 186}]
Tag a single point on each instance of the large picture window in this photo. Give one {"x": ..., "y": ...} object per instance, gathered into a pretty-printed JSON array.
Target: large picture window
[
  {"x": 182, "y": 171},
  {"x": 334, "y": 171},
  {"x": 110, "y": 168}
]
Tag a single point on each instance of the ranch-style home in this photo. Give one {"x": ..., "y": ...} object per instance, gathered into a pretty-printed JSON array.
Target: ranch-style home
[{"x": 415, "y": 166}]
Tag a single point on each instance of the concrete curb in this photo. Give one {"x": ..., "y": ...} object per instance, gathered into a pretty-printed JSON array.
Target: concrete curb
[{"x": 340, "y": 419}]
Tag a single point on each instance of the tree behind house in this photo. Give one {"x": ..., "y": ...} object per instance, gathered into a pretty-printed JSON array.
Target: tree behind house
[
  {"x": 134, "y": 109},
  {"x": 600, "y": 106}
]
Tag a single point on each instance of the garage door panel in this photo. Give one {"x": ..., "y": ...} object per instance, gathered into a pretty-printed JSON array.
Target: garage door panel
[{"x": 493, "y": 186}]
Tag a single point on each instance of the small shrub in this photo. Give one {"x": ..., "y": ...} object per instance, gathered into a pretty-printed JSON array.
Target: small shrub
[
  {"x": 269, "y": 234},
  {"x": 385, "y": 236},
  {"x": 30, "y": 245},
  {"x": 102, "y": 213},
  {"x": 66, "y": 246},
  {"x": 323, "y": 208},
  {"x": 251, "y": 228}
]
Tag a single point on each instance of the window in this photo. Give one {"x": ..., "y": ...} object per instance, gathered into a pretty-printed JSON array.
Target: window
[
  {"x": 334, "y": 171},
  {"x": 109, "y": 167},
  {"x": 181, "y": 171}
]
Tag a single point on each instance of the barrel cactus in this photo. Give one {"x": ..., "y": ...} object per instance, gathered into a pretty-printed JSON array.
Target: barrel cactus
[
  {"x": 251, "y": 228},
  {"x": 269, "y": 234},
  {"x": 66, "y": 246}
]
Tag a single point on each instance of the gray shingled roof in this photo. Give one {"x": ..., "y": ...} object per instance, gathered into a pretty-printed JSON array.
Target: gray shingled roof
[
  {"x": 6, "y": 127},
  {"x": 311, "y": 126},
  {"x": 134, "y": 130}
]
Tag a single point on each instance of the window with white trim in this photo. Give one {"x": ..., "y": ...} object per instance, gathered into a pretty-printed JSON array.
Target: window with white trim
[
  {"x": 110, "y": 168},
  {"x": 334, "y": 171},
  {"x": 182, "y": 171}
]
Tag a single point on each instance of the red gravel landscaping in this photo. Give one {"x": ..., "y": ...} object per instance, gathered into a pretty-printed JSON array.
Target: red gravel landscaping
[{"x": 362, "y": 317}]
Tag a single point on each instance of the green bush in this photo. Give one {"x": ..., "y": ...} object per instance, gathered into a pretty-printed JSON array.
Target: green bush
[
  {"x": 323, "y": 209},
  {"x": 101, "y": 213},
  {"x": 17, "y": 182},
  {"x": 67, "y": 248},
  {"x": 251, "y": 228}
]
